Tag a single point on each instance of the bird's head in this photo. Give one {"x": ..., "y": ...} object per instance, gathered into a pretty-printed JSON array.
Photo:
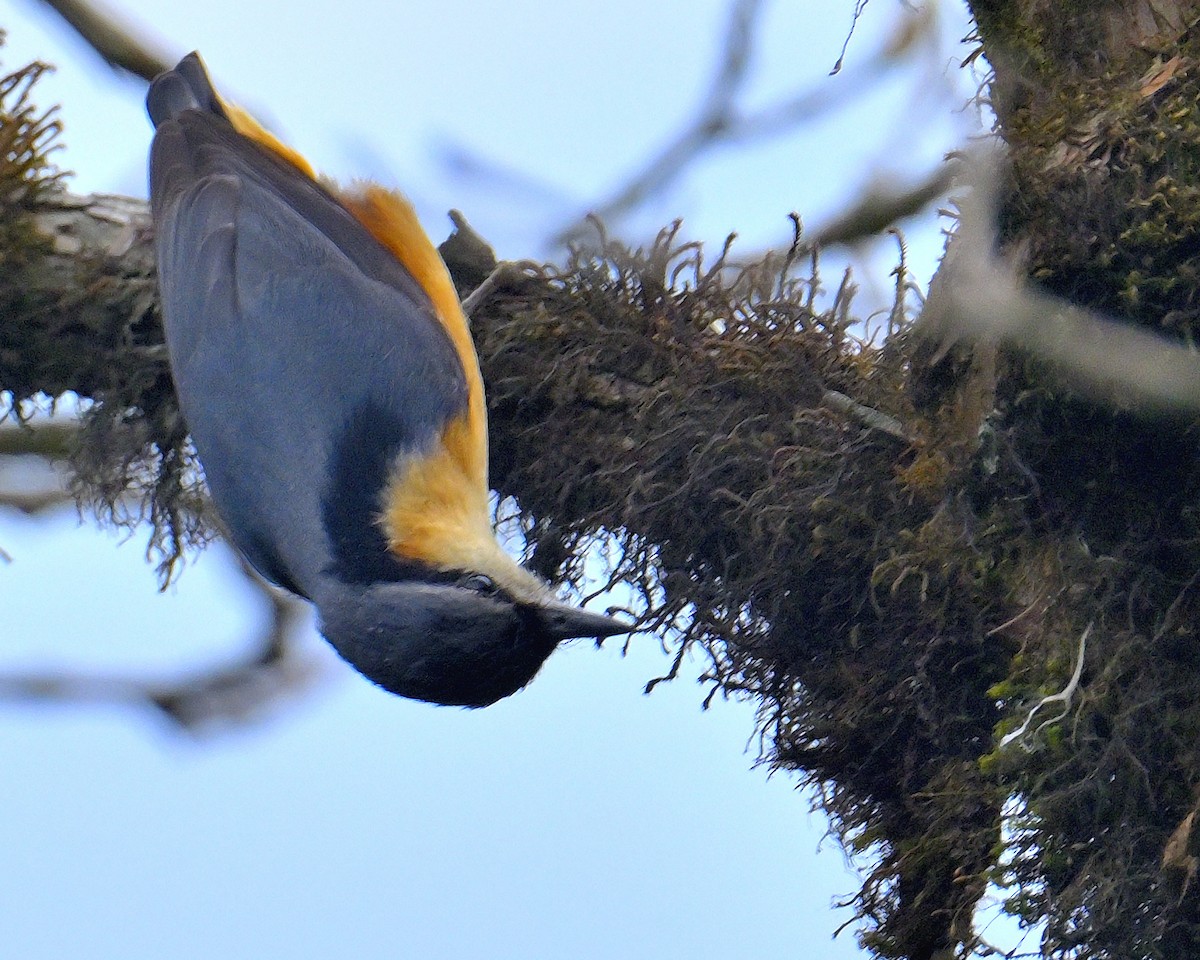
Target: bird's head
[{"x": 464, "y": 639}]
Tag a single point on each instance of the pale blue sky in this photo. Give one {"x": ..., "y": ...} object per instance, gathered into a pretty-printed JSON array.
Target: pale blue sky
[{"x": 577, "y": 819}]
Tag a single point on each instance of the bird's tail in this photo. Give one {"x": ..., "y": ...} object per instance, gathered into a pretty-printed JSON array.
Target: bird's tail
[{"x": 187, "y": 87}]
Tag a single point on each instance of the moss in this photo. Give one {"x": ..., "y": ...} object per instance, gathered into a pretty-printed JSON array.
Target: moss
[
  {"x": 101, "y": 340},
  {"x": 27, "y": 142},
  {"x": 1102, "y": 206}
]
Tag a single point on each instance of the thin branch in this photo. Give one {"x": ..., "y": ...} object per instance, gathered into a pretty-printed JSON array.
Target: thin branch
[
  {"x": 273, "y": 669},
  {"x": 719, "y": 120},
  {"x": 276, "y": 668},
  {"x": 880, "y": 205},
  {"x": 115, "y": 42},
  {"x": 51, "y": 440},
  {"x": 35, "y": 502},
  {"x": 716, "y": 113},
  {"x": 859, "y": 7},
  {"x": 863, "y": 414},
  {"x": 780, "y": 118},
  {"x": 506, "y": 272}
]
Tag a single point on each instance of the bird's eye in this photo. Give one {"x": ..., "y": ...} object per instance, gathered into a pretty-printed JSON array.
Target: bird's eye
[{"x": 479, "y": 582}]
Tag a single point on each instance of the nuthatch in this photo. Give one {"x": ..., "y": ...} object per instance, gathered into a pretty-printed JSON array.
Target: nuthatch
[{"x": 328, "y": 377}]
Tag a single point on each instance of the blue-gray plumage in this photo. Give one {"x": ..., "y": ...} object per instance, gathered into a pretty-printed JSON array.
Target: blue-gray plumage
[{"x": 314, "y": 370}]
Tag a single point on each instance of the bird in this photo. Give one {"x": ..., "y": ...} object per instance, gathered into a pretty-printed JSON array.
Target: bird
[{"x": 331, "y": 388}]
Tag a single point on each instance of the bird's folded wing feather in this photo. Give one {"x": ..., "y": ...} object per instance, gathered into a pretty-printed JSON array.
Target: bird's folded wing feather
[{"x": 307, "y": 360}]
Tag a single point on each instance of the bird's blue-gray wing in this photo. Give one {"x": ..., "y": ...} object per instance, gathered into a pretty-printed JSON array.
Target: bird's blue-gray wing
[{"x": 305, "y": 357}]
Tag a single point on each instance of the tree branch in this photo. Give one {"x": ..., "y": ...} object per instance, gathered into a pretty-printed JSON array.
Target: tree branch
[{"x": 116, "y": 43}]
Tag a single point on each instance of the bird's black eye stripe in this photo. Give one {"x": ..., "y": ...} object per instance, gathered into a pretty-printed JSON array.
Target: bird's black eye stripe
[{"x": 480, "y": 583}]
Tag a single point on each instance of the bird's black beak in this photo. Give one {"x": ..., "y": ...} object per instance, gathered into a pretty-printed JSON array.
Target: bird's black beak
[{"x": 562, "y": 621}]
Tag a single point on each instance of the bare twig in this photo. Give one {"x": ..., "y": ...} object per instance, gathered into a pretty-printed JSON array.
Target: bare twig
[
  {"x": 720, "y": 120},
  {"x": 881, "y": 205},
  {"x": 276, "y": 668},
  {"x": 782, "y": 117},
  {"x": 859, "y": 7},
  {"x": 506, "y": 272},
  {"x": 47, "y": 445},
  {"x": 710, "y": 124},
  {"x": 51, "y": 440},
  {"x": 866, "y": 415},
  {"x": 273, "y": 668},
  {"x": 115, "y": 42},
  {"x": 35, "y": 502}
]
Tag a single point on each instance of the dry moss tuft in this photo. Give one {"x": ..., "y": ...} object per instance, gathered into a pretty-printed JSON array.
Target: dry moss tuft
[
  {"x": 78, "y": 318},
  {"x": 27, "y": 142}
]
